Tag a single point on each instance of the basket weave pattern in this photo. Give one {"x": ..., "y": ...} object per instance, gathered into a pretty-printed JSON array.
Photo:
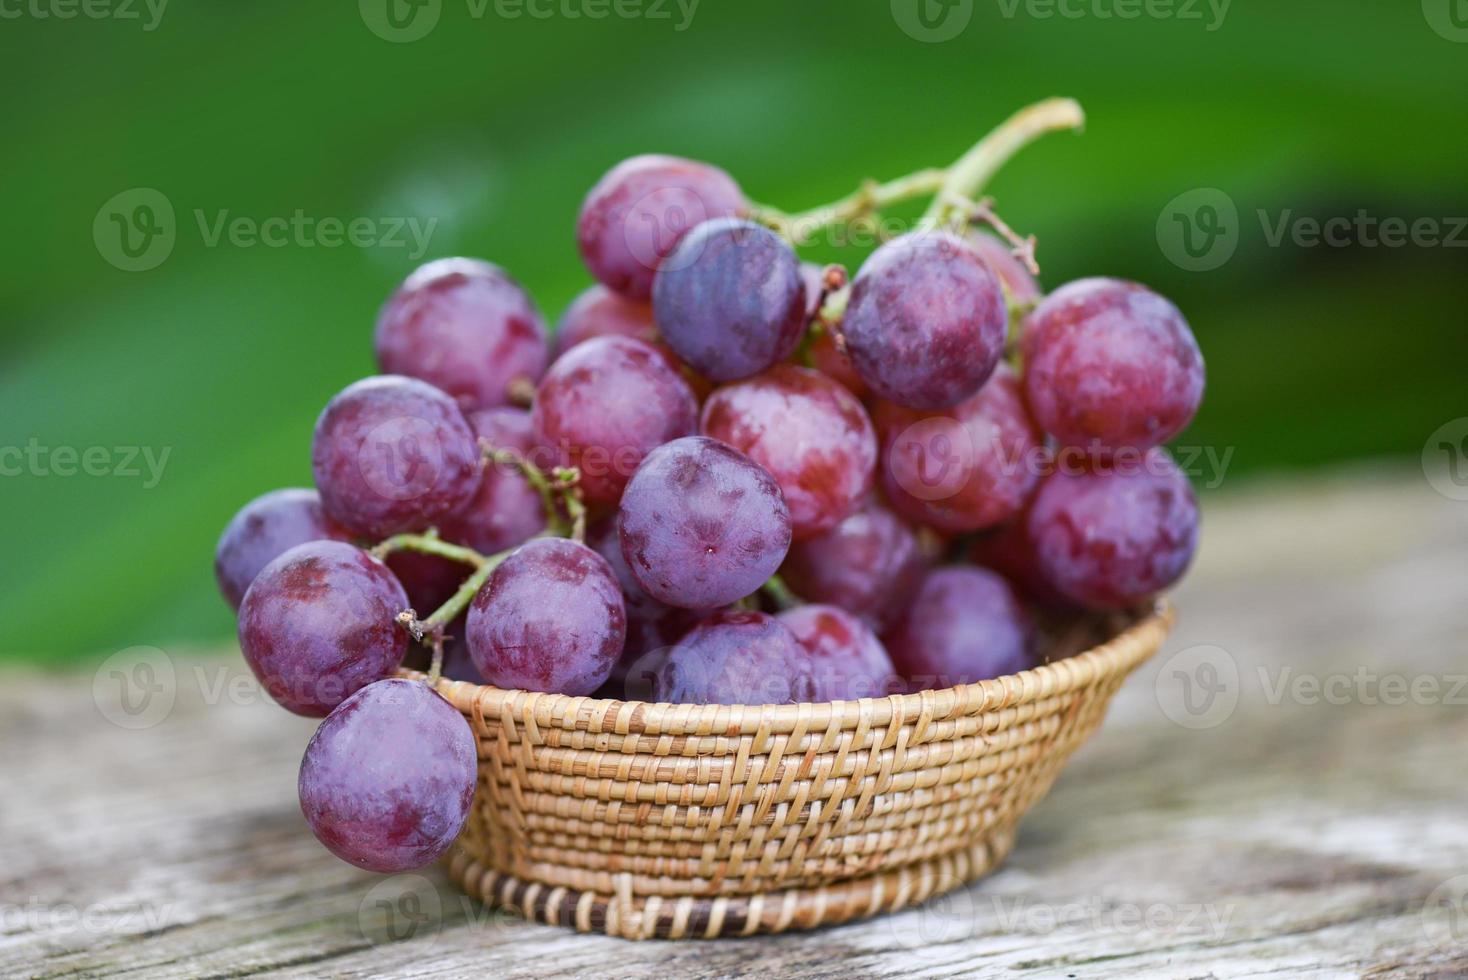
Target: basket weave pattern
[{"x": 642, "y": 820}]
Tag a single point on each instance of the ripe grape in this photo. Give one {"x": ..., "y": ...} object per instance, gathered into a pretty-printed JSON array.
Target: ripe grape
[
  {"x": 964, "y": 468},
  {"x": 1019, "y": 285},
  {"x": 605, "y": 405},
  {"x": 651, "y": 624},
  {"x": 458, "y": 663},
  {"x": 846, "y": 660},
  {"x": 1008, "y": 550},
  {"x": 466, "y": 327},
  {"x": 639, "y": 211},
  {"x": 393, "y": 454},
  {"x": 729, "y": 300},
  {"x": 809, "y": 432},
  {"x": 507, "y": 510},
  {"x": 964, "y": 625},
  {"x": 388, "y": 778},
  {"x": 737, "y": 657},
  {"x": 317, "y": 624},
  {"x": 262, "y": 531},
  {"x": 1111, "y": 365},
  {"x": 550, "y": 618},
  {"x": 926, "y": 323},
  {"x": 868, "y": 565},
  {"x": 599, "y": 312},
  {"x": 702, "y": 524},
  {"x": 1113, "y": 536}
]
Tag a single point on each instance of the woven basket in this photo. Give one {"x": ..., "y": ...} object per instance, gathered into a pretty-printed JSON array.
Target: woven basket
[{"x": 659, "y": 820}]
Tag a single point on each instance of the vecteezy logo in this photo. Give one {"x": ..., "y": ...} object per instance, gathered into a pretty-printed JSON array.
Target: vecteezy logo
[
  {"x": 401, "y": 459},
  {"x": 932, "y": 459},
  {"x": 400, "y": 908},
  {"x": 1445, "y": 915},
  {"x": 1199, "y": 230},
  {"x": 135, "y": 230},
  {"x": 1449, "y": 18},
  {"x": 1445, "y": 460},
  {"x": 654, "y": 225},
  {"x": 135, "y": 688},
  {"x": 400, "y": 21},
  {"x": 1198, "y": 687},
  {"x": 932, "y": 21}
]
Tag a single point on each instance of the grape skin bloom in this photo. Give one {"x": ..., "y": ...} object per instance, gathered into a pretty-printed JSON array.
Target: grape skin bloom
[
  {"x": 317, "y": 624},
  {"x": 263, "y": 530},
  {"x": 388, "y": 779},
  {"x": 702, "y": 524}
]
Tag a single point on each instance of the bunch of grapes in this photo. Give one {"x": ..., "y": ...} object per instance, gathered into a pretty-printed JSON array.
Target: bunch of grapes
[{"x": 733, "y": 478}]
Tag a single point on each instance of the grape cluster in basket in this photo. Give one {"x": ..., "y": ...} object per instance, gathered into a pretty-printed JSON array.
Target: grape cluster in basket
[{"x": 732, "y": 478}]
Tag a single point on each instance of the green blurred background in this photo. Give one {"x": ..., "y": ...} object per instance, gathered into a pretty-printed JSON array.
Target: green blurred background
[{"x": 496, "y": 125}]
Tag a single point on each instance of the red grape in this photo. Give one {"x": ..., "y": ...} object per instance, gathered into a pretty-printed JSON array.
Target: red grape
[
  {"x": 729, "y": 300},
  {"x": 1018, "y": 284},
  {"x": 466, "y": 327},
  {"x": 1111, "y": 365},
  {"x": 393, "y": 454},
  {"x": 388, "y": 778},
  {"x": 429, "y": 580},
  {"x": 262, "y": 531},
  {"x": 846, "y": 660},
  {"x": 830, "y": 361},
  {"x": 736, "y": 657},
  {"x": 318, "y": 623},
  {"x": 965, "y": 468},
  {"x": 507, "y": 510},
  {"x": 605, "y": 405},
  {"x": 1008, "y": 550},
  {"x": 964, "y": 625},
  {"x": 550, "y": 618},
  {"x": 868, "y": 565},
  {"x": 926, "y": 323},
  {"x": 637, "y": 213},
  {"x": 599, "y": 312},
  {"x": 809, "y": 432},
  {"x": 702, "y": 524},
  {"x": 1113, "y": 536}
]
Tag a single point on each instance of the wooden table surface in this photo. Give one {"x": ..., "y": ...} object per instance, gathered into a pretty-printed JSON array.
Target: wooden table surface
[{"x": 1281, "y": 792}]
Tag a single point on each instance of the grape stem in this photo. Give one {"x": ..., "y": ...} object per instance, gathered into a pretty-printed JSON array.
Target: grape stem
[
  {"x": 428, "y": 543},
  {"x": 950, "y": 187},
  {"x": 780, "y": 594},
  {"x": 976, "y": 167}
]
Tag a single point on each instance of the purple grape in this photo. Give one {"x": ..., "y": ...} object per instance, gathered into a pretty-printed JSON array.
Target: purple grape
[
  {"x": 868, "y": 565},
  {"x": 466, "y": 327},
  {"x": 964, "y": 625},
  {"x": 729, "y": 300},
  {"x": 599, "y": 312},
  {"x": 736, "y": 658},
  {"x": 1019, "y": 285},
  {"x": 809, "y": 432},
  {"x": 1112, "y": 537},
  {"x": 926, "y": 322},
  {"x": 641, "y": 209},
  {"x": 702, "y": 524},
  {"x": 549, "y": 619},
  {"x": 507, "y": 510},
  {"x": 458, "y": 662},
  {"x": 964, "y": 468},
  {"x": 393, "y": 454},
  {"x": 388, "y": 778},
  {"x": 846, "y": 659},
  {"x": 605, "y": 405},
  {"x": 1111, "y": 365},
  {"x": 263, "y": 530},
  {"x": 318, "y": 623},
  {"x": 1009, "y": 551},
  {"x": 651, "y": 625}
]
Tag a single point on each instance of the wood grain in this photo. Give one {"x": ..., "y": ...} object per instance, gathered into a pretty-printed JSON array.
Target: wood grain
[{"x": 1318, "y": 828}]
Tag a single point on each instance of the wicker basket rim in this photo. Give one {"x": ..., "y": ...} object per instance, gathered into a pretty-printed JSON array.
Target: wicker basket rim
[{"x": 1120, "y": 654}]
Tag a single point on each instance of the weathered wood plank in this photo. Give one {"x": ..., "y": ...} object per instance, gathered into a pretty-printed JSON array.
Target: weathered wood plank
[{"x": 1313, "y": 830}]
